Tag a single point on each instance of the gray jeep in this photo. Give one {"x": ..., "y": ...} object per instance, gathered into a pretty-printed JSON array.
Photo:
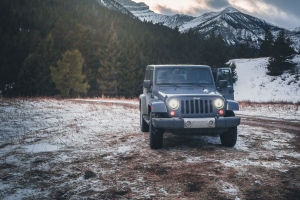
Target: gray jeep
[{"x": 185, "y": 99}]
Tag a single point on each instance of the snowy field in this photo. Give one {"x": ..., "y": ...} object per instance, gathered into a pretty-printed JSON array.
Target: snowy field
[
  {"x": 254, "y": 85},
  {"x": 270, "y": 111},
  {"x": 94, "y": 149},
  {"x": 75, "y": 149}
]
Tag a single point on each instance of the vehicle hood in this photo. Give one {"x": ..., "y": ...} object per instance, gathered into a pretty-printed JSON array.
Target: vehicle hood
[{"x": 167, "y": 92}]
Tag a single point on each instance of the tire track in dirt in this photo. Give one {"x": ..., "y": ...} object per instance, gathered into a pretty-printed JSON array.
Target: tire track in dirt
[{"x": 290, "y": 125}]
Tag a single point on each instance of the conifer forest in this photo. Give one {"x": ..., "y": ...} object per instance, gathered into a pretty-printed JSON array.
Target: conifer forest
[{"x": 113, "y": 49}]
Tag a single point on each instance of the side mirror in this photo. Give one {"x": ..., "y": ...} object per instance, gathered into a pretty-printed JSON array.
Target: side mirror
[
  {"x": 222, "y": 83},
  {"x": 147, "y": 84}
]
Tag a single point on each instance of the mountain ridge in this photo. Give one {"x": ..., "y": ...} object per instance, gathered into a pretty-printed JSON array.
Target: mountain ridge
[
  {"x": 114, "y": 5},
  {"x": 235, "y": 26}
]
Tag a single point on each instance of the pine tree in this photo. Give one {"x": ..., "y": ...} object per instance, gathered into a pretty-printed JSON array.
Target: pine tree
[
  {"x": 132, "y": 70},
  {"x": 84, "y": 39},
  {"x": 110, "y": 65},
  {"x": 215, "y": 51},
  {"x": 274, "y": 67},
  {"x": 68, "y": 75},
  {"x": 267, "y": 45},
  {"x": 282, "y": 46},
  {"x": 34, "y": 77},
  {"x": 245, "y": 51},
  {"x": 232, "y": 65},
  {"x": 281, "y": 50}
]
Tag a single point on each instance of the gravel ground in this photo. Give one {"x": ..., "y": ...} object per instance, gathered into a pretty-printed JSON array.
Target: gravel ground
[{"x": 62, "y": 149}]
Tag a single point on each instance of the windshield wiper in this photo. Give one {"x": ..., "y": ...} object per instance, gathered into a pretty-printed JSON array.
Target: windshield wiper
[
  {"x": 196, "y": 84},
  {"x": 172, "y": 84}
]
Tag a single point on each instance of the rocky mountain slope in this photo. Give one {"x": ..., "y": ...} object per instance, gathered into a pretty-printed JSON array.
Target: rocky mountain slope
[
  {"x": 142, "y": 11},
  {"x": 114, "y": 5},
  {"x": 235, "y": 27}
]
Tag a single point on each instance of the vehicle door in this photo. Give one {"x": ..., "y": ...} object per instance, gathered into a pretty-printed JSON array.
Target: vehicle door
[
  {"x": 148, "y": 91},
  {"x": 225, "y": 74}
]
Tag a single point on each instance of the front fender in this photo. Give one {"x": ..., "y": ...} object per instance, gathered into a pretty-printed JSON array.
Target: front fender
[
  {"x": 232, "y": 105},
  {"x": 143, "y": 106},
  {"x": 158, "y": 106}
]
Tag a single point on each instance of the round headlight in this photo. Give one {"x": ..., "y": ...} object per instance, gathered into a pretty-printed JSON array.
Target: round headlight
[
  {"x": 219, "y": 103},
  {"x": 174, "y": 104}
]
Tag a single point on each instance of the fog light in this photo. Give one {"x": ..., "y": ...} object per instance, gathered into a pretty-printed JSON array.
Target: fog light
[
  {"x": 211, "y": 123},
  {"x": 172, "y": 113},
  {"x": 188, "y": 124}
]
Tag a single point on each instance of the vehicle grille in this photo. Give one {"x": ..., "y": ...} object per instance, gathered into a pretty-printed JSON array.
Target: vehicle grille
[{"x": 196, "y": 106}]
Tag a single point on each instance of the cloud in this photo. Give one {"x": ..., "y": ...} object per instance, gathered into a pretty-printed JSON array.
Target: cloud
[
  {"x": 255, "y": 6},
  {"x": 270, "y": 10},
  {"x": 165, "y": 10},
  {"x": 193, "y": 7},
  {"x": 288, "y": 6},
  {"x": 217, "y": 4},
  {"x": 192, "y": 11},
  {"x": 283, "y": 13}
]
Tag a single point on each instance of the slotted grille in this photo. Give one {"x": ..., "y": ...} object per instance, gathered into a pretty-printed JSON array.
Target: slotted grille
[{"x": 196, "y": 106}]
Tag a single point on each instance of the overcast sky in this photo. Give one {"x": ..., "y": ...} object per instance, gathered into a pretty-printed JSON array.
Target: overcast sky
[{"x": 283, "y": 13}]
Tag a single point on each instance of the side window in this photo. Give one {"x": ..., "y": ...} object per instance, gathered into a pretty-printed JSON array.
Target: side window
[
  {"x": 147, "y": 74},
  {"x": 225, "y": 74},
  {"x": 151, "y": 75}
]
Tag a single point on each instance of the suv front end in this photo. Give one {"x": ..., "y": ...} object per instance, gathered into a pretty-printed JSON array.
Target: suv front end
[
  {"x": 190, "y": 115},
  {"x": 183, "y": 99}
]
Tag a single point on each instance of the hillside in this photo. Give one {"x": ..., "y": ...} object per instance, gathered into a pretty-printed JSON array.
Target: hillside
[
  {"x": 143, "y": 12},
  {"x": 115, "y": 46},
  {"x": 254, "y": 85},
  {"x": 234, "y": 26}
]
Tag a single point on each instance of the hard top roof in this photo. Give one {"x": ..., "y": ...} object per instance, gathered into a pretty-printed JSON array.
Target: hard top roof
[{"x": 178, "y": 65}]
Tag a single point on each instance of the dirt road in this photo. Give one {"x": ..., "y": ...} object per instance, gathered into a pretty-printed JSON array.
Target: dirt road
[
  {"x": 291, "y": 125},
  {"x": 88, "y": 150}
]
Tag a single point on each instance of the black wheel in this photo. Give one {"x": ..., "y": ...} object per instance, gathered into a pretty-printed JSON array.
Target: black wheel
[
  {"x": 143, "y": 124},
  {"x": 156, "y": 136},
  {"x": 228, "y": 139}
]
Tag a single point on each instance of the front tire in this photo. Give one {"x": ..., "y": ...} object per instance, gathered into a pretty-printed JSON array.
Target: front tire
[
  {"x": 229, "y": 138},
  {"x": 156, "y": 136}
]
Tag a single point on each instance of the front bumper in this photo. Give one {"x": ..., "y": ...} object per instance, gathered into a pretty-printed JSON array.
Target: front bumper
[{"x": 190, "y": 123}]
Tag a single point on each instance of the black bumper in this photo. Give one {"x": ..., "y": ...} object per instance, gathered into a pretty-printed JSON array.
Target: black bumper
[{"x": 176, "y": 123}]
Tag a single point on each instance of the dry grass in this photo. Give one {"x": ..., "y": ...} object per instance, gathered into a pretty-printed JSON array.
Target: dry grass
[
  {"x": 187, "y": 167},
  {"x": 280, "y": 104}
]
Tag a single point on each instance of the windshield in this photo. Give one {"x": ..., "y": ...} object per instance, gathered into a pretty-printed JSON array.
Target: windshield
[{"x": 183, "y": 75}]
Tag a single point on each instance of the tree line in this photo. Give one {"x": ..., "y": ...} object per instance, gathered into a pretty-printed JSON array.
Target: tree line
[
  {"x": 40, "y": 41},
  {"x": 115, "y": 48},
  {"x": 278, "y": 50}
]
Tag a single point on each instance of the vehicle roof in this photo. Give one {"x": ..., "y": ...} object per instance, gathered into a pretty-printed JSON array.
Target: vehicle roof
[{"x": 178, "y": 65}]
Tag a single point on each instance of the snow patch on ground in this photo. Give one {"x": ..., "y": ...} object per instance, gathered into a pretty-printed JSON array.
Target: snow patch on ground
[
  {"x": 271, "y": 111},
  {"x": 41, "y": 147},
  {"x": 58, "y": 141},
  {"x": 254, "y": 84}
]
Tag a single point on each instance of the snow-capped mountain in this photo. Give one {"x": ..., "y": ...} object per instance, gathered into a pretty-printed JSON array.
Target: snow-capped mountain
[
  {"x": 113, "y": 5},
  {"x": 237, "y": 27},
  {"x": 234, "y": 26},
  {"x": 297, "y": 29},
  {"x": 142, "y": 11}
]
